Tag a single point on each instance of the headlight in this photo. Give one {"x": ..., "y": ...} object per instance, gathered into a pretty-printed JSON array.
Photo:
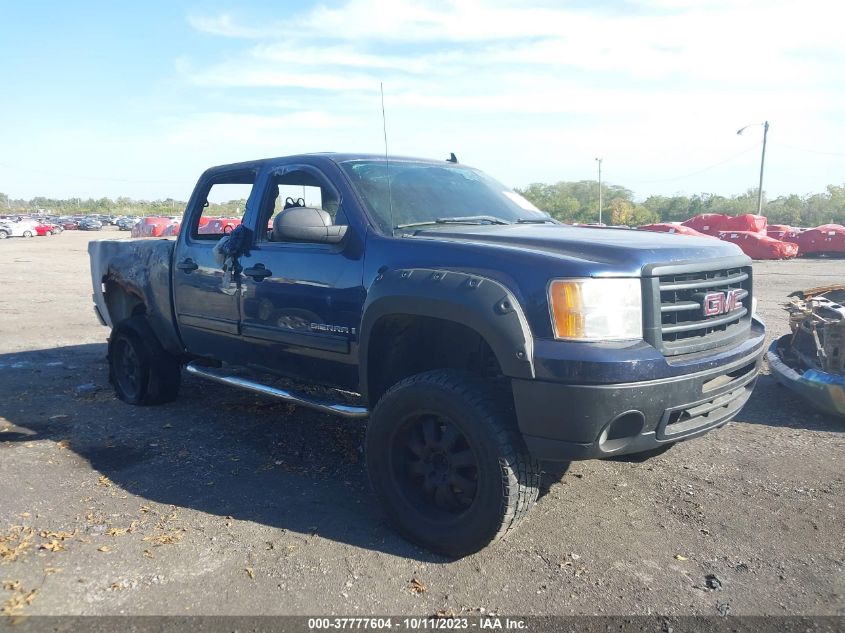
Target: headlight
[{"x": 596, "y": 309}]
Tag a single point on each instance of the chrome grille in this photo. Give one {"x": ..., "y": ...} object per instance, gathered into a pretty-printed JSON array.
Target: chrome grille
[{"x": 675, "y": 321}]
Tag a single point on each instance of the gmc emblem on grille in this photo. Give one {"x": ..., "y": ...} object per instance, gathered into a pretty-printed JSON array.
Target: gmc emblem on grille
[{"x": 715, "y": 303}]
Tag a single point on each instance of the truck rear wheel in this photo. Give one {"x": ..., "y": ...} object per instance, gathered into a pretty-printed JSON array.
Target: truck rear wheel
[
  {"x": 448, "y": 464},
  {"x": 140, "y": 371}
]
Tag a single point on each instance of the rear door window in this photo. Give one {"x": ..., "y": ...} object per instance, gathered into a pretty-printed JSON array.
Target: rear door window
[{"x": 224, "y": 206}]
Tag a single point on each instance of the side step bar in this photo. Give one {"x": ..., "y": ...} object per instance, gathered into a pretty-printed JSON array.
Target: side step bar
[{"x": 219, "y": 375}]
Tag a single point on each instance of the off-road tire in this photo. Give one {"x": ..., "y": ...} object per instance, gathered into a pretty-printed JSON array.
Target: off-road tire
[
  {"x": 155, "y": 376},
  {"x": 507, "y": 477}
]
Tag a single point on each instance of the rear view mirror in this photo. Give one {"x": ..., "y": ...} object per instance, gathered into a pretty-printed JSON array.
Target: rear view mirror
[{"x": 306, "y": 224}]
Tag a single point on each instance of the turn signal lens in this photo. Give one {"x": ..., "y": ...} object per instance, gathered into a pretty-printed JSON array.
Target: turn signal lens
[{"x": 596, "y": 309}]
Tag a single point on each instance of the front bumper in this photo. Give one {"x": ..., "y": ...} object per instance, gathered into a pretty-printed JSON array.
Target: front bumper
[{"x": 565, "y": 421}]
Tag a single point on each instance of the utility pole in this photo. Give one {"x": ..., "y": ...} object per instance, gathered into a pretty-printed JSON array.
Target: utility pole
[
  {"x": 762, "y": 163},
  {"x": 600, "y": 205}
]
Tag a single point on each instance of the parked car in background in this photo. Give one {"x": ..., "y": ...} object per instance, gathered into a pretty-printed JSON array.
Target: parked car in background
[
  {"x": 15, "y": 229},
  {"x": 43, "y": 228},
  {"x": 172, "y": 229},
  {"x": 218, "y": 226},
  {"x": 152, "y": 226},
  {"x": 70, "y": 224},
  {"x": 90, "y": 224},
  {"x": 126, "y": 224},
  {"x": 19, "y": 226}
]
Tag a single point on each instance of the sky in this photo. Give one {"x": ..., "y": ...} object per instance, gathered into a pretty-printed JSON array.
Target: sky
[{"x": 137, "y": 98}]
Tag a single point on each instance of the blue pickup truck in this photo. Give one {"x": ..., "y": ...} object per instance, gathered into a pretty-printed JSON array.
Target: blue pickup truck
[{"x": 477, "y": 335}]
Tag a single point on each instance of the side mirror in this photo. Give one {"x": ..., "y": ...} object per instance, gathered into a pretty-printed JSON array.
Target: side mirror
[
  {"x": 335, "y": 233},
  {"x": 307, "y": 224}
]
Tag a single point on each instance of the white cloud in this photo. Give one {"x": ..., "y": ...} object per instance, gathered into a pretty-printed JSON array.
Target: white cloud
[
  {"x": 657, "y": 87},
  {"x": 224, "y": 24},
  {"x": 748, "y": 42}
]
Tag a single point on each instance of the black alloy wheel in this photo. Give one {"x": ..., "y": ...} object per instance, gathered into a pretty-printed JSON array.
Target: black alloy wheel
[{"x": 434, "y": 463}]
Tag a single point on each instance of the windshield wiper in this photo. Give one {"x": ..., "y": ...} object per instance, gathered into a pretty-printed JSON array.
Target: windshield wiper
[
  {"x": 469, "y": 219},
  {"x": 536, "y": 221}
]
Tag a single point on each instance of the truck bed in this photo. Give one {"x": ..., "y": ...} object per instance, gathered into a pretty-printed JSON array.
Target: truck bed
[{"x": 141, "y": 269}]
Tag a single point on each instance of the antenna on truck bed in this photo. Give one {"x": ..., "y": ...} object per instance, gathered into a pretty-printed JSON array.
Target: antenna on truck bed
[{"x": 387, "y": 163}]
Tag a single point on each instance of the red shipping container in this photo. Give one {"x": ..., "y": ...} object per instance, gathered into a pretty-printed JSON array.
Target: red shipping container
[
  {"x": 747, "y": 222},
  {"x": 827, "y": 238},
  {"x": 666, "y": 227},
  {"x": 758, "y": 246},
  {"x": 708, "y": 223},
  {"x": 778, "y": 231}
]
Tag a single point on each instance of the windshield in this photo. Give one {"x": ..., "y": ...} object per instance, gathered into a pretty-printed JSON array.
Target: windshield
[{"x": 428, "y": 193}]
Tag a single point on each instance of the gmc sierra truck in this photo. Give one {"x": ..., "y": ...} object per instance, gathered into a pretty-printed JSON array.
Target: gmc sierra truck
[{"x": 478, "y": 335}]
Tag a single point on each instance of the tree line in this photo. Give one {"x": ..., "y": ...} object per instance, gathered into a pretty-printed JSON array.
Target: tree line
[
  {"x": 107, "y": 206},
  {"x": 578, "y": 202},
  {"x": 565, "y": 201}
]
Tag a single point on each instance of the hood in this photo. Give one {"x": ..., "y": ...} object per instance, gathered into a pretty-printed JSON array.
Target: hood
[{"x": 621, "y": 251}]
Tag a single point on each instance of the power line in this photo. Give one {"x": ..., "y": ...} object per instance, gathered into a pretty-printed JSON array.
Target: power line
[{"x": 701, "y": 171}]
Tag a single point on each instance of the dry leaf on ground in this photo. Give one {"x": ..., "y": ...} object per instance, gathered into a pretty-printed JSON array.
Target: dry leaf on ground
[
  {"x": 17, "y": 601},
  {"x": 417, "y": 586},
  {"x": 53, "y": 546},
  {"x": 15, "y": 542},
  {"x": 165, "y": 539},
  {"x": 57, "y": 534}
]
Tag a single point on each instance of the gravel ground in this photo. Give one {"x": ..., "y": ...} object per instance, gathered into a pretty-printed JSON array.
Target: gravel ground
[{"x": 227, "y": 503}]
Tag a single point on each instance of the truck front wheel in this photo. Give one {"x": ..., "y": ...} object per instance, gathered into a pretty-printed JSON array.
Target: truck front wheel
[
  {"x": 447, "y": 463},
  {"x": 140, "y": 371}
]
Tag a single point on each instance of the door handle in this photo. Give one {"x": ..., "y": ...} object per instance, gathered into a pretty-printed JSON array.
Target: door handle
[
  {"x": 187, "y": 265},
  {"x": 258, "y": 272}
]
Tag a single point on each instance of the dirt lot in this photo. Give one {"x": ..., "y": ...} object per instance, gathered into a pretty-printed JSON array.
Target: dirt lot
[{"x": 226, "y": 503}]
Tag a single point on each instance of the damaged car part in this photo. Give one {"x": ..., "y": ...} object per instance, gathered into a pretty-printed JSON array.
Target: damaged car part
[{"x": 811, "y": 360}]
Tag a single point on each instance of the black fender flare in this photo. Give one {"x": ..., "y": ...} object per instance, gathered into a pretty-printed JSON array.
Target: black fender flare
[{"x": 482, "y": 304}]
